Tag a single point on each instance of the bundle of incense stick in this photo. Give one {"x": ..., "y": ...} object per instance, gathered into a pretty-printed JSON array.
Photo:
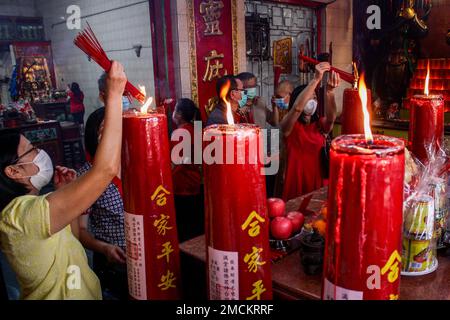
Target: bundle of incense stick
[
  {"x": 344, "y": 75},
  {"x": 89, "y": 44}
]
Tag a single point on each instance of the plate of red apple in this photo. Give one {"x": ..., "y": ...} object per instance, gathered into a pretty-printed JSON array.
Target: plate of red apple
[{"x": 285, "y": 227}]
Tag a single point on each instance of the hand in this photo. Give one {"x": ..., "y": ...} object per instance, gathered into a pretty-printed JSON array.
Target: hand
[
  {"x": 63, "y": 176},
  {"x": 244, "y": 110},
  {"x": 333, "y": 81},
  {"x": 116, "y": 80},
  {"x": 321, "y": 68},
  {"x": 114, "y": 254}
]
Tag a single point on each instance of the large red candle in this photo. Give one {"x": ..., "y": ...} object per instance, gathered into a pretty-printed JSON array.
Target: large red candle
[
  {"x": 150, "y": 225},
  {"x": 237, "y": 233},
  {"x": 352, "y": 114},
  {"x": 426, "y": 127},
  {"x": 365, "y": 198}
]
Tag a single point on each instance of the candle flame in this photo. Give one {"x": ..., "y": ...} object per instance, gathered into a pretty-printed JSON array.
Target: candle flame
[
  {"x": 427, "y": 80},
  {"x": 363, "y": 96},
  {"x": 146, "y": 105},
  {"x": 223, "y": 96}
]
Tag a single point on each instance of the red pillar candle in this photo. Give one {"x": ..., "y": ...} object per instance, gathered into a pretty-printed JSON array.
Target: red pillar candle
[
  {"x": 364, "y": 231},
  {"x": 426, "y": 126},
  {"x": 352, "y": 119},
  {"x": 237, "y": 233},
  {"x": 150, "y": 225}
]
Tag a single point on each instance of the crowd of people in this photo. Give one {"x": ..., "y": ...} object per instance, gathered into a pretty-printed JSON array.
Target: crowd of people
[{"x": 42, "y": 235}]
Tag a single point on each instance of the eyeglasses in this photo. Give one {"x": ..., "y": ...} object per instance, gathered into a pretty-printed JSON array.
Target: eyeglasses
[
  {"x": 244, "y": 91},
  {"x": 24, "y": 154}
]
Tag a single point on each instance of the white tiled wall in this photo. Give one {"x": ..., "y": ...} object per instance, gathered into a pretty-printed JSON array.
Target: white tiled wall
[
  {"x": 116, "y": 30},
  {"x": 339, "y": 30},
  {"x": 285, "y": 21},
  {"x": 25, "y": 8},
  {"x": 182, "y": 71}
]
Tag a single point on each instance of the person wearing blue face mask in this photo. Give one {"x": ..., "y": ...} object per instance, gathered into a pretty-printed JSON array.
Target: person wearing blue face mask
[{"x": 255, "y": 110}]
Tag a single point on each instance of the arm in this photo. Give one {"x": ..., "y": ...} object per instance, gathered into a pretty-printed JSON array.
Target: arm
[
  {"x": 112, "y": 252},
  {"x": 75, "y": 227},
  {"x": 68, "y": 202},
  {"x": 288, "y": 122},
  {"x": 330, "y": 102},
  {"x": 273, "y": 117}
]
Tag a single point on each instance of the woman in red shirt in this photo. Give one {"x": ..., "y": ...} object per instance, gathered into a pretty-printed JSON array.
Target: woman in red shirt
[
  {"x": 76, "y": 103},
  {"x": 187, "y": 181},
  {"x": 305, "y": 133}
]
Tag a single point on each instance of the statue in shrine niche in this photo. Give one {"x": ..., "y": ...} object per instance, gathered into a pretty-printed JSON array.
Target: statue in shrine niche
[{"x": 389, "y": 55}]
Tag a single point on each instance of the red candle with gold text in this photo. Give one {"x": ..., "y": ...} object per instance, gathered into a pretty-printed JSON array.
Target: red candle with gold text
[
  {"x": 426, "y": 127},
  {"x": 352, "y": 120},
  {"x": 364, "y": 229},
  {"x": 237, "y": 234},
  {"x": 365, "y": 199},
  {"x": 150, "y": 225}
]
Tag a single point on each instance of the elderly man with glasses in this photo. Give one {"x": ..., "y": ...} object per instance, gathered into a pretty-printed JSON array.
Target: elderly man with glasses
[{"x": 237, "y": 97}]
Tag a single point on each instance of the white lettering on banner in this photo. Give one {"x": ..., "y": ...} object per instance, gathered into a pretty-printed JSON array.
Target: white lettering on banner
[
  {"x": 235, "y": 152},
  {"x": 332, "y": 292},
  {"x": 74, "y": 20},
  {"x": 223, "y": 275},
  {"x": 73, "y": 281},
  {"x": 374, "y": 280},
  {"x": 374, "y": 21},
  {"x": 134, "y": 234}
]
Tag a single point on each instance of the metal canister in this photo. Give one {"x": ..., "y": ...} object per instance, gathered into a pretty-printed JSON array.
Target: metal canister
[
  {"x": 418, "y": 255},
  {"x": 419, "y": 218}
]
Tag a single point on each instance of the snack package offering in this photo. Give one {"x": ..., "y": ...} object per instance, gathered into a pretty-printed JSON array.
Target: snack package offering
[{"x": 424, "y": 212}]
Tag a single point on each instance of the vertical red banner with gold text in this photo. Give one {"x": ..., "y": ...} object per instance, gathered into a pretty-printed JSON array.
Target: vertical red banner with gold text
[{"x": 213, "y": 48}]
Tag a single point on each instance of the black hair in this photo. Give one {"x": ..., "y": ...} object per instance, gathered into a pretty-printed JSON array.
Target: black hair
[
  {"x": 10, "y": 189},
  {"x": 102, "y": 82},
  {"x": 315, "y": 117},
  {"x": 75, "y": 88},
  {"x": 93, "y": 124},
  {"x": 323, "y": 57},
  {"x": 245, "y": 76},
  {"x": 222, "y": 81},
  {"x": 187, "y": 109}
]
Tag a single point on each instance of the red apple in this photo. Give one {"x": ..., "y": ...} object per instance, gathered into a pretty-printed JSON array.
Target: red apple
[
  {"x": 276, "y": 207},
  {"x": 281, "y": 228},
  {"x": 297, "y": 219}
]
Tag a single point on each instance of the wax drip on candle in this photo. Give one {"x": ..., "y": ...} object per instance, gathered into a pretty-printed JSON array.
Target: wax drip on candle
[
  {"x": 356, "y": 74},
  {"x": 427, "y": 80},
  {"x": 363, "y": 96},
  {"x": 223, "y": 96}
]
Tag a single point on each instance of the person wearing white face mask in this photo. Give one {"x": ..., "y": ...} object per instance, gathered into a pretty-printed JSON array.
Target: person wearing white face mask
[
  {"x": 305, "y": 134},
  {"x": 38, "y": 233}
]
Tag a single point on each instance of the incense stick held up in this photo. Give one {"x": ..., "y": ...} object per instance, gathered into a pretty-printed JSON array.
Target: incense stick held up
[
  {"x": 89, "y": 44},
  {"x": 344, "y": 75}
]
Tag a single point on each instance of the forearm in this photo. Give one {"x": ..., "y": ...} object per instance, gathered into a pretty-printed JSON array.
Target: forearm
[
  {"x": 75, "y": 227},
  {"x": 71, "y": 200},
  {"x": 107, "y": 156},
  {"x": 330, "y": 110},
  {"x": 89, "y": 242},
  {"x": 274, "y": 118}
]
